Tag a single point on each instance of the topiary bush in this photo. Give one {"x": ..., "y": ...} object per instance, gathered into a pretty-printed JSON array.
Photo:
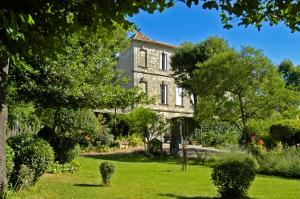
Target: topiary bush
[
  {"x": 9, "y": 160},
  {"x": 106, "y": 170},
  {"x": 31, "y": 151},
  {"x": 233, "y": 177},
  {"x": 286, "y": 131},
  {"x": 67, "y": 154}
]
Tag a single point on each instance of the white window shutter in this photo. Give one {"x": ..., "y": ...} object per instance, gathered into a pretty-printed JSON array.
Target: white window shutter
[
  {"x": 166, "y": 62},
  {"x": 160, "y": 61}
]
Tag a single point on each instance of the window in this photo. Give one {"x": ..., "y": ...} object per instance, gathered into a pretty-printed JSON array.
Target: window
[
  {"x": 143, "y": 86},
  {"x": 163, "y": 61},
  {"x": 142, "y": 58},
  {"x": 179, "y": 96},
  {"x": 163, "y": 94}
]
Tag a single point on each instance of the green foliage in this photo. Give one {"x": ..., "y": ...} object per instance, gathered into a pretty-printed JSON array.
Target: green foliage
[
  {"x": 236, "y": 87},
  {"x": 282, "y": 162},
  {"x": 22, "y": 118},
  {"x": 146, "y": 122},
  {"x": 69, "y": 127},
  {"x": 104, "y": 139},
  {"x": 25, "y": 177},
  {"x": 233, "y": 176},
  {"x": 253, "y": 12},
  {"x": 291, "y": 74},
  {"x": 31, "y": 151},
  {"x": 286, "y": 131},
  {"x": 106, "y": 170},
  {"x": 9, "y": 153},
  {"x": 155, "y": 146},
  {"x": 134, "y": 140},
  {"x": 186, "y": 57},
  {"x": 66, "y": 154},
  {"x": 216, "y": 133},
  {"x": 69, "y": 167}
]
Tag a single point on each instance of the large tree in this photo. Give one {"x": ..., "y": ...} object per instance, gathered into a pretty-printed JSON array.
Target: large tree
[
  {"x": 290, "y": 74},
  {"x": 238, "y": 86},
  {"x": 186, "y": 57},
  {"x": 38, "y": 28}
]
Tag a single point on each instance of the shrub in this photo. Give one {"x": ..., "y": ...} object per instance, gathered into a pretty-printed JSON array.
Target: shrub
[
  {"x": 31, "y": 151},
  {"x": 215, "y": 133},
  {"x": 25, "y": 177},
  {"x": 70, "y": 167},
  {"x": 233, "y": 177},
  {"x": 286, "y": 131},
  {"x": 65, "y": 148},
  {"x": 155, "y": 146},
  {"x": 9, "y": 160},
  {"x": 69, "y": 154},
  {"x": 282, "y": 162},
  {"x": 134, "y": 140},
  {"x": 104, "y": 139},
  {"x": 106, "y": 170}
]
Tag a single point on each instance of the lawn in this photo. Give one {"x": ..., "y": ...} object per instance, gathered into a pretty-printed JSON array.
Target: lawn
[{"x": 138, "y": 178}]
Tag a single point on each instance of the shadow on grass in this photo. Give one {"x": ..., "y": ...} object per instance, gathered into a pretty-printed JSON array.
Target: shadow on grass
[
  {"x": 88, "y": 185},
  {"x": 170, "y": 195},
  {"x": 132, "y": 157}
]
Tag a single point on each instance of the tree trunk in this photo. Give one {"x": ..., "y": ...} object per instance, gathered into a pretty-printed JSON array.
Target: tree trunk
[{"x": 3, "y": 117}]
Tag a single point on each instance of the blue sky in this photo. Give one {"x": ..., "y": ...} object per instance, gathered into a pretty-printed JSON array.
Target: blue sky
[{"x": 180, "y": 23}]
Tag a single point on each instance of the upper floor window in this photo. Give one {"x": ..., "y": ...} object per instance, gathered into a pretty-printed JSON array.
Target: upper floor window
[
  {"x": 163, "y": 94},
  {"x": 142, "y": 58},
  {"x": 163, "y": 61},
  {"x": 179, "y": 96}
]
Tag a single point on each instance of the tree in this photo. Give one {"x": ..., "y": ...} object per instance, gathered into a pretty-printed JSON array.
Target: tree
[
  {"x": 147, "y": 123},
  {"x": 186, "y": 57},
  {"x": 290, "y": 74},
  {"x": 236, "y": 87},
  {"x": 38, "y": 28},
  {"x": 254, "y": 12}
]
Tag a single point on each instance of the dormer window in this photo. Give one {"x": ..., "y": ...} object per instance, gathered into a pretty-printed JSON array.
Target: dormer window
[
  {"x": 142, "y": 58},
  {"x": 163, "y": 61}
]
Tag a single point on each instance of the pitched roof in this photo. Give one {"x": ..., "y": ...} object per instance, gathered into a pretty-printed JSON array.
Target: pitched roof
[{"x": 141, "y": 37}]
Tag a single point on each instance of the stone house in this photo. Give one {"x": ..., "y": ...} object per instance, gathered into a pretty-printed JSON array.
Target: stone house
[{"x": 146, "y": 63}]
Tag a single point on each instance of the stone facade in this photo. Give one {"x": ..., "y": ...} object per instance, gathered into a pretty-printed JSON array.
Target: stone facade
[{"x": 143, "y": 64}]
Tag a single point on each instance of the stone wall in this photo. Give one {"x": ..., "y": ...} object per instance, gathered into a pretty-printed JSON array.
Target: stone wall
[{"x": 153, "y": 76}]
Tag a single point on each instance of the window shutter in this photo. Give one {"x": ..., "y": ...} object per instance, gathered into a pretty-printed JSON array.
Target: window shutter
[
  {"x": 166, "y": 94},
  {"x": 160, "y": 61},
  {"x": 166, "y": 62}
]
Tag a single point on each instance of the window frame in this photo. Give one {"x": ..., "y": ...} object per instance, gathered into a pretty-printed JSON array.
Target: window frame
[
  {"x": 163, "y": 94},
  {"x": 146, "y": 58}
]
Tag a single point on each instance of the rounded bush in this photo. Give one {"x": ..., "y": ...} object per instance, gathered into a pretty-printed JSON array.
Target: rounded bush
[
  {"x": 66, "y": 155},
  {"x": 286, "y": 131},
  {"x": 31, "y": 151},
  {"x": 106, "y": 170},
  {"x": 9, "y": 160},
  {"x": 233, "y": 178}
]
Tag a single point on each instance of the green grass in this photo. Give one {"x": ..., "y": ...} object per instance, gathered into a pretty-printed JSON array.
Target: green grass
[{"x": 140, "y": 178}]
